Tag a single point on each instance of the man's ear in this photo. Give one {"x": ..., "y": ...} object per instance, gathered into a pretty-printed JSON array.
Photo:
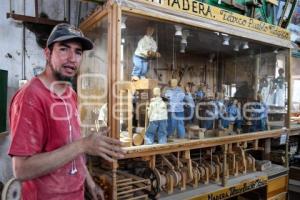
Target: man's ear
[{"x": 47, "y": 53}]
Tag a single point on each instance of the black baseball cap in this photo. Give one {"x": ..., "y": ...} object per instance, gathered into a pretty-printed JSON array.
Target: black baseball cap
[{"x": 62, "y": 32}]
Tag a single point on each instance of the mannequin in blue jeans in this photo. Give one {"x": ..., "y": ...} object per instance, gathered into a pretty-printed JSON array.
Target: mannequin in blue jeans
[
  {"x": 146, "y": 50},
  {"x": 175, "y": 110},
  {"x": 235, "y": 115},
  {"x": 158, "y": 116}
]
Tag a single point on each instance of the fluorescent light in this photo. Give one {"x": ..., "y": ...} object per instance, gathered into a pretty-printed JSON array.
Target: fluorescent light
[
  {"x": 226, "y": 39},
  {"x": 245, "y": 45},
  {"x": 185, "y": 34},
  {"x": 236, "y": 47},
  {"x": 178, "y": 30}
]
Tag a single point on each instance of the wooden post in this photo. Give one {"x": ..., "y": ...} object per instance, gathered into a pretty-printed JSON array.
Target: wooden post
[
  {"x": 224, "y": 179},
  {"x": 152, "y": 162},
  {"x": 129, "y": 115},
  {"x": 286, "y": 164},
  {"x": 255, "y": 145},
  {"x": 287, "y": 118},
  {"x": 256, "y": 72},
  {"x": 114, "y": 43},
  {"x": 267, "y": 149},
  {"x": 114, "y": 180}
]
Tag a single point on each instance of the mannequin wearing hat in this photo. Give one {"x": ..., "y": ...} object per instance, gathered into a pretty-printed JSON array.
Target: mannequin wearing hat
[
  {"x": 145, "y": 51},
  {"x": 175, "y": 96},
  {"x": 158, "y": 116}
]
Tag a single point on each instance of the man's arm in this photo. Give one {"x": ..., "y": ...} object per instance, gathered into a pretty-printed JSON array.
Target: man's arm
[{"x": 30, "y": 167}]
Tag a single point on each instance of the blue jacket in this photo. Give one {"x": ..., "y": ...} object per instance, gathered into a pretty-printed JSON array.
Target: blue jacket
[
  {"x": 189, "y": 101},
  {"x": 200, "y": 94},
  {"x": 234, "y": 112}
]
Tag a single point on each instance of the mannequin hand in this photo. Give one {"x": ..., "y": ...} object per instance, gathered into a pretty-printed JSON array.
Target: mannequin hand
[
  {"x": 105, "y": 147},
  {"x": 151, "y": 54}
]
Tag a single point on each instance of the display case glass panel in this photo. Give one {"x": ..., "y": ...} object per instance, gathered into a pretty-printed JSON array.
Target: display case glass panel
[
  {"x": 93, "y": 81},
  {"x": 295, "y": 84}
]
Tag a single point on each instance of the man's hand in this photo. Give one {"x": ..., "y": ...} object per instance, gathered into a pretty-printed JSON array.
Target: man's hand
[
  {"x": 153, "y": 54},
  {"x": 105, "y": 147}
]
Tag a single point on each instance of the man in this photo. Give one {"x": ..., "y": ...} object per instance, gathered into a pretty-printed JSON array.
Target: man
[{"x": 46, "y": 148}]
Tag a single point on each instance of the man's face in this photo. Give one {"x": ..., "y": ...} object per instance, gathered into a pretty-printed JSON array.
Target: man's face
[{"x": 64, "y": 60}]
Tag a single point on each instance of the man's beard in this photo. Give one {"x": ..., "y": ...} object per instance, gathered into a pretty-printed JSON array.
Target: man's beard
[{"x": 58, "y": 75}]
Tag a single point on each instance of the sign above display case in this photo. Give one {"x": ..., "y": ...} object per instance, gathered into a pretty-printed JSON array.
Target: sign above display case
[{"x": 214, "y": 13}]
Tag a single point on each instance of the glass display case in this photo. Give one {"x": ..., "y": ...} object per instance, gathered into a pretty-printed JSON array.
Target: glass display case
[
  {"x": 229, "y": 84},
  {"x": 243, "y": 81},
  {"x": 189, "y": 96}
]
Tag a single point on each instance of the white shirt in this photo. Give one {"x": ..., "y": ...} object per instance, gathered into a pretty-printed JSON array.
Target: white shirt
[
  {"x": 147, "y": 43},
  {"x": 157, "y": 109}
]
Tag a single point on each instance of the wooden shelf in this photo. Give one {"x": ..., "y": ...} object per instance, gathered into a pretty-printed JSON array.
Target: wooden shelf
[{"x": 185, "y": 144}]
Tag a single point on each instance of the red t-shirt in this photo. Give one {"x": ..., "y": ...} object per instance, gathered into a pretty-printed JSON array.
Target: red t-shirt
[{"x": 39, "y": 123}]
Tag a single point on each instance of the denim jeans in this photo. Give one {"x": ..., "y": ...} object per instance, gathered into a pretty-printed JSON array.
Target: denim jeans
[
  {"x": 175, "y": 122},
  {"x": 140, "y": 66},
  {"x": 262, "y": 125},
  {"x": 208, "y": 124},
  {"x": 159, "y": 126},
  {"x": 259, "y": 125}
]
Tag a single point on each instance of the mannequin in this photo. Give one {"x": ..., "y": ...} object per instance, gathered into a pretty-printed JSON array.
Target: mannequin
[
  {"x": 146, "y": 50},
  {"x": 175, "y": 96},
  {"x": 200, "y": 94},
  {"x": 279, "y": 89},
  {"x": 263, "y": 114},
  {"x": 264, "y": 88},
  {"x": 235, "y": 115},
  {"x": 158, "y": 116},
  {"x": 189, "y": 107},
  {"x": 260, "y": 115}
]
